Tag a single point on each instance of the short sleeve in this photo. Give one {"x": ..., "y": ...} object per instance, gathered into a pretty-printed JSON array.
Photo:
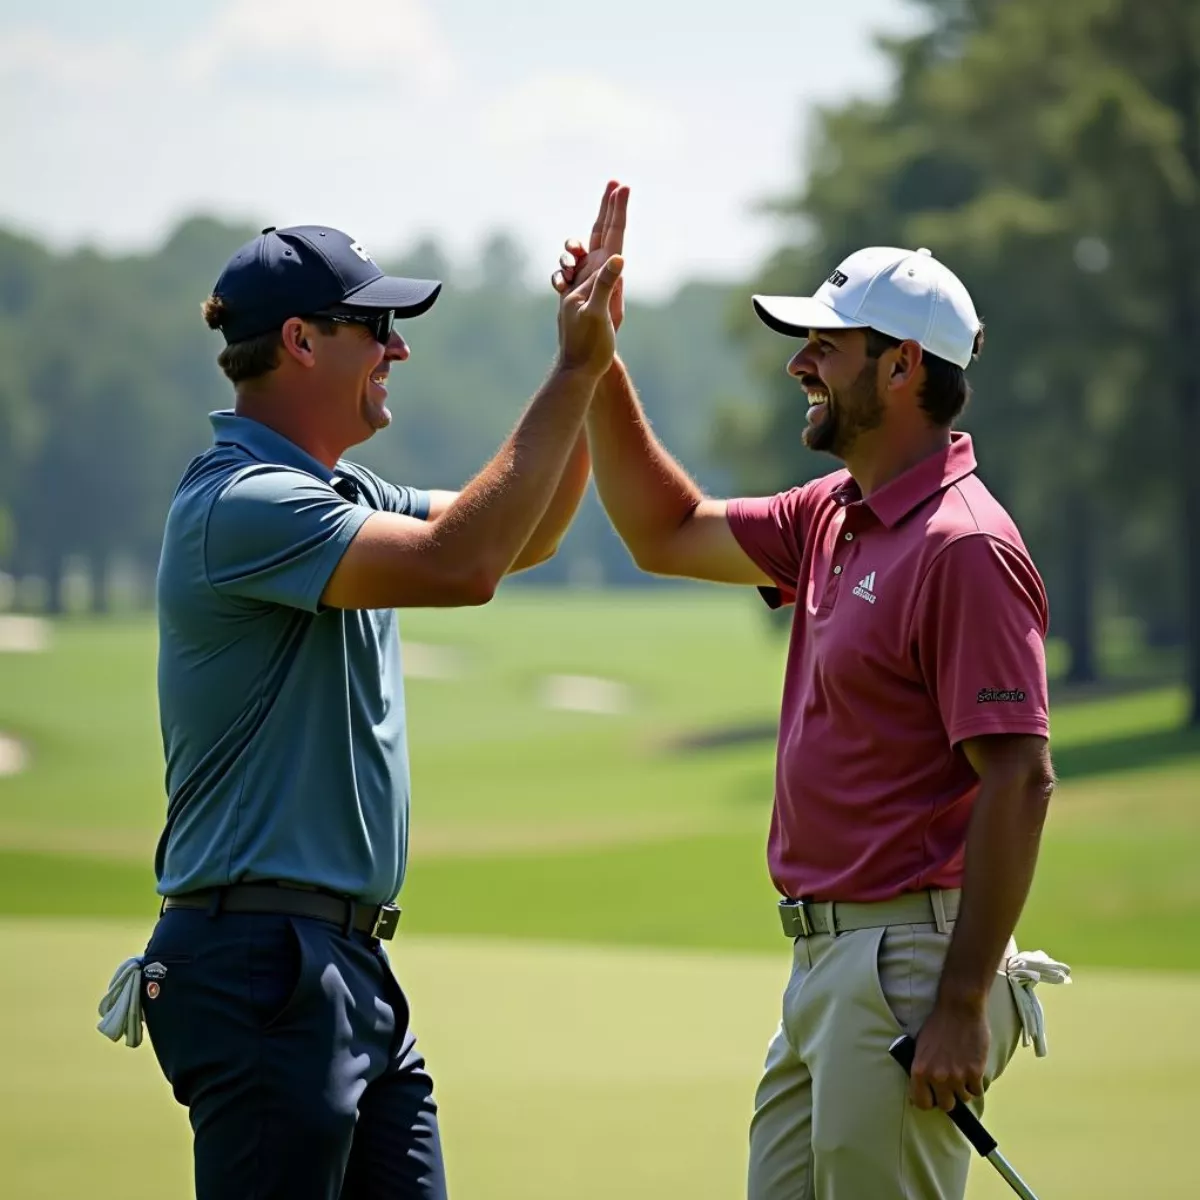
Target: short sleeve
[
  {"x": 980, "y": 629},
  {"x": 276, "y": 535},
  {"x": 387, "y": 497},
  {"x": 770, "y": 529},
  {"x": 407, "y": 501}
]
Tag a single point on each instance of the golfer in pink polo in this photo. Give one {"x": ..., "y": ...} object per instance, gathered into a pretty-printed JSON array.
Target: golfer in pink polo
[{"x": 913, "y": 771}]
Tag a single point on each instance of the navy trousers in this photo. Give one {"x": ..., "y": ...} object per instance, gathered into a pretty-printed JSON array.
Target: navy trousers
[{"x": 289, "y": 1044}]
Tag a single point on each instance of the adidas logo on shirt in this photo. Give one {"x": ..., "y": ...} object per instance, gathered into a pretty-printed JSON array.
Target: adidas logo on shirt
[{"x": 866, "y": 589}]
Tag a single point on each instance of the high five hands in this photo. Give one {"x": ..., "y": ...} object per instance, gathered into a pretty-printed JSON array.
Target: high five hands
[
  {"x": 577, "y": 265},
  {"x": 587, "y": 329}
]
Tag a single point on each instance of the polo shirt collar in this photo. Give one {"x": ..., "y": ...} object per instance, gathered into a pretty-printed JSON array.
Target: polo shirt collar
[
  {"x": 896, "y": 499},
  {"x": 263, "y": 443}
]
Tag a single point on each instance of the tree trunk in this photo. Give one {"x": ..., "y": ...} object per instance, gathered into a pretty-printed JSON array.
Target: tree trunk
[
  {"x": 1189, "y": 441},
  {"x": 1185, "y": 325},
  {"x": 1079, "y": 589},
  {"x": 98, "y": 570},
  {"x": 55, "y": 567}
]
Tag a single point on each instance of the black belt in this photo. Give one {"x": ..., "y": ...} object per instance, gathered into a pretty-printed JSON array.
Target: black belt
[{"x": 379, "y": 920}]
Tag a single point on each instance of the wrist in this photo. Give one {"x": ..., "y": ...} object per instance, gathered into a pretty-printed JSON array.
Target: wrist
[
  {"x": 580, "y": 374},
  {"x": 965, "y": 998}
]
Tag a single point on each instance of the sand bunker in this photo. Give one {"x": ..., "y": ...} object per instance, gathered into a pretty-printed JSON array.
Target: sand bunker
[
  {"x": 23, "y": 635},
  {"x": 584, "y": 693},
  {"x": 424, "y": 661},
  {"x": 14, "y": 758}
]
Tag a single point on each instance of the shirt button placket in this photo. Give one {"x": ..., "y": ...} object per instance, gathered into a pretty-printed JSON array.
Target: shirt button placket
[{"x": 847, "y": 536}]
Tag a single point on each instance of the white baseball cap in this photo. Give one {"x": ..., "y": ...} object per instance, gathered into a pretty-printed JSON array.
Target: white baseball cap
[{"x": 903, "y": 293}]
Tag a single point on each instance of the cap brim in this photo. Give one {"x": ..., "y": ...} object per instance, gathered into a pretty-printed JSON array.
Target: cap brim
[
  {"x": 406, "y": 297},
  {"x": 796, "y": 315}
]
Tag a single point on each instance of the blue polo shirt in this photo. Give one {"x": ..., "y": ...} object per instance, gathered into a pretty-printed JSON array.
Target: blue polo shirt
[{"x": 282, "y": 721}]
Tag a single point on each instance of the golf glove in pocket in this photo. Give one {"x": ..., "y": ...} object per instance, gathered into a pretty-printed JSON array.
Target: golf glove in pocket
[
  {"x": 121, "y": 1007},
  {"x": 1024, "y": 972}
]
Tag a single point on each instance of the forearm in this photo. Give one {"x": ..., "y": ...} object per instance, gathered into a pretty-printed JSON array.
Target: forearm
[
  {"x": 645, "y": 492},
  {"x": 545, "y": 539},
  {"x": 1001, "y": 854},
  {"x": 494, "y": 516}
]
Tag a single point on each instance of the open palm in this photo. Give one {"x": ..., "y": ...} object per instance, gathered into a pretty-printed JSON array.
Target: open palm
[{"x": 608, "y": 238}]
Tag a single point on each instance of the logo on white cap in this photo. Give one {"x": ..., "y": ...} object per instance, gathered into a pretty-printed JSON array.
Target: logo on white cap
[{"x": 903, "y": 293}]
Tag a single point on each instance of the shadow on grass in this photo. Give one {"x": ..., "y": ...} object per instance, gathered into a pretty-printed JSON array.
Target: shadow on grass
[{"x": 1132, "y": 752}]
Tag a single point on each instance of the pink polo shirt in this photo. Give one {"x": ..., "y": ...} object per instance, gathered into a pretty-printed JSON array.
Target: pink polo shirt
[{"x": 922, "y": 622}]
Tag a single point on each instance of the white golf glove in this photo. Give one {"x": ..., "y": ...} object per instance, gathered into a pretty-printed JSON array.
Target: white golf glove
[
  {"x": 1024, "y": 972},
  {"x": 121, "y": 1007}
]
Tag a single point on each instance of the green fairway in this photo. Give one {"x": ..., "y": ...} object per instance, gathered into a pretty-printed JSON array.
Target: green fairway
[
  {"x": 589, "y": 932},
  {"x": 564, "y": 1071},
  {"x": 645, "y": 826}
]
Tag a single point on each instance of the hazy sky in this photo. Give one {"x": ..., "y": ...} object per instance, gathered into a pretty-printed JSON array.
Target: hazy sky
[{"x": 398, "y": 118}]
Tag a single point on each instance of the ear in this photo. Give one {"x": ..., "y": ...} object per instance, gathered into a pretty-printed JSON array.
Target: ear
[
  {"x": 298, "y": 341},
  {"x": 905, "y": 365}
]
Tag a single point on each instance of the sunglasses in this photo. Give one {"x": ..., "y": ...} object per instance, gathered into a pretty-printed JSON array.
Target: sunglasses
[{"x": 378, "y": 320}]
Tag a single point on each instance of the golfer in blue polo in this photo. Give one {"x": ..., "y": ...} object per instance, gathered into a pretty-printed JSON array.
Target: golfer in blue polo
[{"x": 265, "y": 989}]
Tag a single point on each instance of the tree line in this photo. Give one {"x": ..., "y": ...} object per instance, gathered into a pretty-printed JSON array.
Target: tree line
[
  {"x": 1050, "y": 154},
  {"x": 107, "y": 374}
]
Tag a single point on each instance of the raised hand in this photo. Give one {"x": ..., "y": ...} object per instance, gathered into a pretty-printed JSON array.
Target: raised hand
[
  {"x": 577, "y": 265},
  {"x": 587, "y": 337}
]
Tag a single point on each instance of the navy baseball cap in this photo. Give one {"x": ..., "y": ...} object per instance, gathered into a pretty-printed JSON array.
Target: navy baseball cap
[{"x": 306, "y": 269}]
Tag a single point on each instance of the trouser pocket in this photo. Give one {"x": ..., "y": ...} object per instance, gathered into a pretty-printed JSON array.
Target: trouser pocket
[
  {"x": 211, "y": 988},
  {"x": 276, "y": 973},
  {"x": 908, "y": 962}
]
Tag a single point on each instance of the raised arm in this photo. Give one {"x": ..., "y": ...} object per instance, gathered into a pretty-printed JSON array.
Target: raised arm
[
  {"x": 545, "y": 539},
  {"x": 460, "y": 556},
  {"x": 668, "y": 525}
]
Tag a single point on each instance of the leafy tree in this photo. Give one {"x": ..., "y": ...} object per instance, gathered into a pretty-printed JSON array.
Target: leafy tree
[{"x": 1051, "y": 155}]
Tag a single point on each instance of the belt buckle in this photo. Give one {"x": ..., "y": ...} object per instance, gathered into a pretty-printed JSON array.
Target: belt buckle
[
  {"x": 386, "y": 920},
  {"x": 794, "y": 915}
]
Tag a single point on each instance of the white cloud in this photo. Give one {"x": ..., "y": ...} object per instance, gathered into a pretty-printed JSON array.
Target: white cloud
[
  {"x": 35, "y": 57},
  {"x": 400, "y": 118},
  {"x": 367, "y": 40},
  {"x": 571, "y": 107}
]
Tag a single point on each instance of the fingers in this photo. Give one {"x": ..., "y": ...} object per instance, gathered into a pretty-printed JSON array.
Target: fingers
[
  {"x": 568, "y": 262},
  {"x": 613, "y": 237},
  {"x": 941, "y": 1092},
  {"x": 597, "y": 239},
  {"x": 919, "y": 1093},
  {"x": 604, "y": 281}
]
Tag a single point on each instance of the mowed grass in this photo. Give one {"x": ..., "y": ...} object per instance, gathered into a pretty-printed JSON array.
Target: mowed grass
[
  {"x": 589, "y": 938},
  {"x": 530, "y": 822},
  {"x": 589, "y": 1073}
]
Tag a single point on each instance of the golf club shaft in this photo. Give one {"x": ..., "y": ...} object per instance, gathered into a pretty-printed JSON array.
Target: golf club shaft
[
  {"x": 904, "y": 1050},
  {"x": 1010, "y": 1176}
]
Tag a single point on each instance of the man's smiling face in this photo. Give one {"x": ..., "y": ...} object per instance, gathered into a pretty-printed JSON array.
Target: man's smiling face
[
  {"x": 840, "y": 380},
  {"x": 354, "y": 374}
]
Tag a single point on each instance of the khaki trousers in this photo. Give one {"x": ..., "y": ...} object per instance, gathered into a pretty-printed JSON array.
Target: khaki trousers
[{"x": 832, "y": 1119}]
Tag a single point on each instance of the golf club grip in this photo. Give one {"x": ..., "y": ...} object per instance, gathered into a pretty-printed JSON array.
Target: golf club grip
[{"x": 904, "y": 1050}]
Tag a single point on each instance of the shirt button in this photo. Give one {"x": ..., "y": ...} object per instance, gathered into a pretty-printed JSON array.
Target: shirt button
[
  {"x": 849, "y": 537},
  {"x": 837, "y": 570}
]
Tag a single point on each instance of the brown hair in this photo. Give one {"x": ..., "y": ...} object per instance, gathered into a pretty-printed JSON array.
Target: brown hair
[
  {"x": 252, "y": 357},
  {"x": 947, "y": 391}
]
